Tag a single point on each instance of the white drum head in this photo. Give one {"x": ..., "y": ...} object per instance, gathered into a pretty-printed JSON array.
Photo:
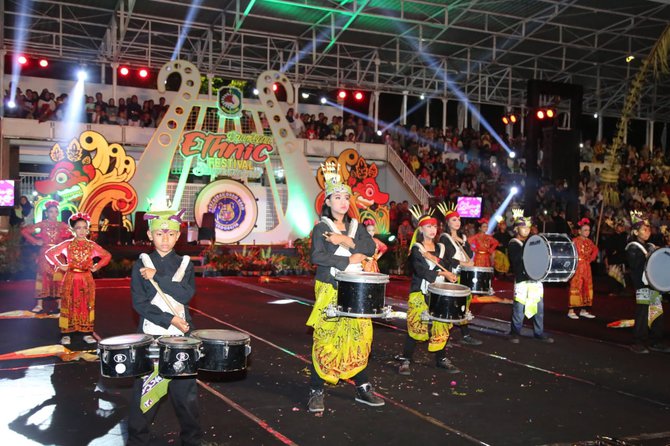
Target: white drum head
[
  {"x": 222, "y": 336},
  {"x": 536, "y": 257},
  {"x": 657, "y": 269}
]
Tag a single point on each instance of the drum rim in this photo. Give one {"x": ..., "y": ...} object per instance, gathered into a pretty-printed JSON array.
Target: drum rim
[
  {"x": 463, "y": 292},
  {"x": 485, "y": 269},
  {"x": 162, "y": 342},
  {"x": 377, "y": 278},
  {"x": 147, "y": 340},
  {"x": 651, "y": 281},
  {"x": 245, "y": 340}
]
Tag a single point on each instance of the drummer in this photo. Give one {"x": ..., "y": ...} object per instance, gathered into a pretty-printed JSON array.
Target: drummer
[
  {"x": 340, "y": 346},
  {"x": 458, "y": 253},
  {"x": 179, "y": 283},
  {"x": 424, "y": 258},
  {"x": 649, "y": 306},
  {"x": 528, "y": 294}
]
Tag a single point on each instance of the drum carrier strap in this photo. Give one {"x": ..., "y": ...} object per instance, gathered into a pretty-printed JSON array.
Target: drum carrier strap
[
  {"x": 431, "y": 266},
  {"x": 341, "y": 251}
]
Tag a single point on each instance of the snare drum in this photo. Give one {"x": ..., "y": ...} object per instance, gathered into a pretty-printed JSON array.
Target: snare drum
[
  {"x": 550, "y": 258},
  {"x": 361, "y": 294},
  {"x": 223, "y": 350},
  {"x": 178, "y": 356},
  {"x": 478, "y": 278},
  {"x": 126, "y": 355},
  {"x": 447, "y": 301},
  {"x": 657, "y": 268}
]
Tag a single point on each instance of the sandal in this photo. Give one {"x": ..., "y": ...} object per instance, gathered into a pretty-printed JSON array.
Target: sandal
[{"x": 65, "y": 340}]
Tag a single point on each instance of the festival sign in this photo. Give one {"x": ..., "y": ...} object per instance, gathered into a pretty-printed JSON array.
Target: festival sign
[
  {"x": 231, "y": 154},
  {"x": 234, "y": 207}
]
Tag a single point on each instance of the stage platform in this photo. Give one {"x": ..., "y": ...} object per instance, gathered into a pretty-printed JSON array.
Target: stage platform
[{"x": 586, "y": 387}]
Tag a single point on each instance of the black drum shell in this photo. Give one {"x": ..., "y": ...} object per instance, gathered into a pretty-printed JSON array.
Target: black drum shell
[
  {"x": 178, "y": 356},
  {"x": 442, "y": 306},
  {"x": 478, "y": 279},
  {"x": 220, "y": 354},
  {"x": 123, "y": 361},
  {"x": 360, "y": 297}
]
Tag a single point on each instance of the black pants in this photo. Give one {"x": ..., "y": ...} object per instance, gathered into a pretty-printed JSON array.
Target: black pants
[
  {"x": 642, "y": 331},
  {"x": 183, "y": 393},
  {"x": 410, "y": 346},
  {"x": 316, "y": 382}
]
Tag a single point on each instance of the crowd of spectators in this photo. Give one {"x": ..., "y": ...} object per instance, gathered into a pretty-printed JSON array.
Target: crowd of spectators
[{"x": 46, "y": 106}]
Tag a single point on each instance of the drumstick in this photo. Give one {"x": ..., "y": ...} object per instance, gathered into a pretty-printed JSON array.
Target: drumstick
[{"x": 425, "y": 255}]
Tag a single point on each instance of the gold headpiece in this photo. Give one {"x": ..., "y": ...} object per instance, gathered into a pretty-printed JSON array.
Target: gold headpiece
[
  {"x": 448, "y": 210},
  {"x": 418, "y": 213},
  {"x": 333, "y": 179},
  {"x": 637, "y": 219},
  {"x": 519, "y": 219}
]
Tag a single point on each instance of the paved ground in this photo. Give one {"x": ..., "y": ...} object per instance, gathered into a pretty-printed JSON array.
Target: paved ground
[{"x": 585, "y": 386}]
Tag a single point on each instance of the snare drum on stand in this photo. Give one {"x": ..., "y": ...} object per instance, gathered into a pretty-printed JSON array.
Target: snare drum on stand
[
  {"x": 447, "y": 302},
  {"x": 223, "y": 350},
  {"x": 360, "y": 295},
  {"x": 550, "y": 258},
  {"x": 478, "y": 278},
  {"x": 125, "y": 355}
]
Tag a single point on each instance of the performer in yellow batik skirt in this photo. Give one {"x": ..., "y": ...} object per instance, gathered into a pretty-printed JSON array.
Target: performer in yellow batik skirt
[
  {"x": 425, "y": 256},
  {"x": 341, "y": 346}
]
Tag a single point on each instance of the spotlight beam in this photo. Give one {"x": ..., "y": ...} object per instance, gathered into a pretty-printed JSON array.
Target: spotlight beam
[
  {"x": 21, "y": 33},
  {"x": 493, "y": 222},
  {"x": 192, "y": 10}
]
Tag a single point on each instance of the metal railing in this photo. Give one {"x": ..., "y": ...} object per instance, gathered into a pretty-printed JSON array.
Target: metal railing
[{"x": 408, "y": 178}]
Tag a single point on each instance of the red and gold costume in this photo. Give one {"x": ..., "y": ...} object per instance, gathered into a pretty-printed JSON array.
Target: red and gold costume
[
  {"x": 581, "y": 284},
  {"x": 49, "y": 233},
  {"x": 78, "y": 292},
  {"x": 483, "y": 246}
]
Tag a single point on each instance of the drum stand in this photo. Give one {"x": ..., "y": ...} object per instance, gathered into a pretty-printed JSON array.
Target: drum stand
[
  {"x": 428, "y": 319},
  {"x": 333, "y": 311}
]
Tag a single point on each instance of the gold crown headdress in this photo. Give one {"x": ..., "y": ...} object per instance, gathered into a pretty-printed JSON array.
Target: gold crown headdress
[
  {"x": 333, "y": 179},
  {"x": 519, "y": 219},
  {"x": 419, "y": 213},
  {"x": 448, "y": 210},
  {"x": 422, "y": 218},
  {"x": 637, "y": 219}
]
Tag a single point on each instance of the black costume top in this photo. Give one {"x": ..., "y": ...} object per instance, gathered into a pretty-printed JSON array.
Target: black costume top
[
  {"x": 142, "y": 291},
  {"x": 637, "y": 259},
  {"x": 323, "y": 252},
  {"x": 515, "y": 253},
  {"x": 449, "y": 261},
  {"x": 420, "y": 268}
]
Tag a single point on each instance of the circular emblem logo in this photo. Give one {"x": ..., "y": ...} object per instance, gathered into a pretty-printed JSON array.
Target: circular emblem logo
[
  {"x": 182, "y": 356},
  {"x": 119, "y": 357},
  {"x": 233, "y": 207},
  {"x": 228, "y": 209}
]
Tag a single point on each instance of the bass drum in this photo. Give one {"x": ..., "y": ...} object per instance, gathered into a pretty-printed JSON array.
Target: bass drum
[
  {"x": 550, "y": 258},
  {"x": 223, "y": 350},
  {"x": 126, "y": 355},
  {"x": 657, "y": 269}
]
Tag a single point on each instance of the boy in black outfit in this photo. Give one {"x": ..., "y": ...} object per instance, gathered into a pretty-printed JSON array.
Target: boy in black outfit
[{"x": 176, "y": 278}]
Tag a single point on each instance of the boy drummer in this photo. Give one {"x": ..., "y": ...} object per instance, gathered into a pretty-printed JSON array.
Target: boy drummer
[{"x": 176, "y": 279}]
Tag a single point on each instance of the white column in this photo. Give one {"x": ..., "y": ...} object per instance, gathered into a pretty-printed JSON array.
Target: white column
[
  {"x": 376, "y": 96},
  {"x": 210, "y": 77},
  {"x": 403, "y": 109},
  {"x": 115, "y": 75},
  {"x": 296, "y": 92},
  {"x": 465, "y": 114},
  {"x": 522, "y": 118},
  {"x": 444, "y": 114},
  {"x": 650, "y": 136}
]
